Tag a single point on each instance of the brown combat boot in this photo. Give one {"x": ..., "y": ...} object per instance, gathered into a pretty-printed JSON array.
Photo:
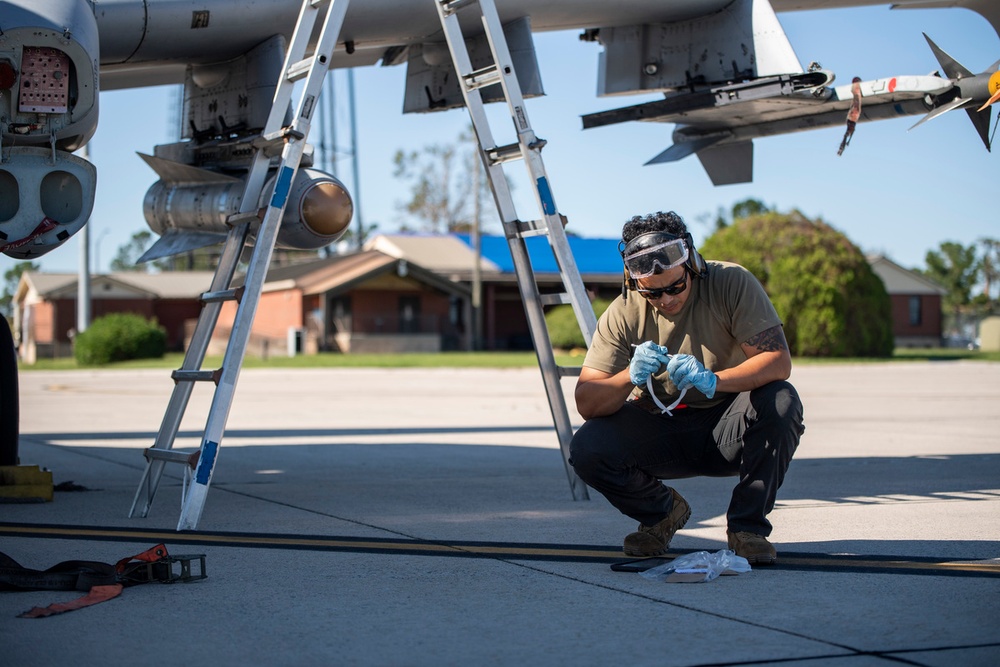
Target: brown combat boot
[
  {"x": 653, "y": 540},
  {"x": 755, "y": 548}
]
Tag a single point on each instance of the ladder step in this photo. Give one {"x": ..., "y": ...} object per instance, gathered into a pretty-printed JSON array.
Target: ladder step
[
  {"x": 526, "y": 228},
  {"x": 301, "y": 69},
  {"x": 237, "y": 219},
  {"x": 487, "y": 76},
  {"x": 181, "y": 375},
  {"x": 172, "y": 456},
  {"x": 569, "y": 371},
  {"x": 554, "y": 299},
  {"x": 452, "y": 6},
  {"x": 275, "y": 139},
  {"x": 223, "y": 295},
  {"x": 502, "y": 154}
]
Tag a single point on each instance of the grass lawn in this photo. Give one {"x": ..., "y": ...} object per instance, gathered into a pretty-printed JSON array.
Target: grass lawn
[{"x": 465, "y": 360}]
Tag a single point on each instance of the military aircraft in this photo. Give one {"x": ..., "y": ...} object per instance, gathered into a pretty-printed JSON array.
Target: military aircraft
[
  {"x": 725, "y": 67},
  {"x": 727, "y": 71}
]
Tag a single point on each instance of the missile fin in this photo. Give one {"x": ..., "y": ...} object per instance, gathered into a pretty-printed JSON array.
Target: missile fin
[
  {"x": 682, "y": 149},
  {"x": 176, "y": 172},
  {"x": 943, "y": 109},
  {"x": 174, "y": 242}
]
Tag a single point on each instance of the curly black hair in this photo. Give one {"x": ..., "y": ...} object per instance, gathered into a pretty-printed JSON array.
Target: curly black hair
[{"x": 654, "y": 222}]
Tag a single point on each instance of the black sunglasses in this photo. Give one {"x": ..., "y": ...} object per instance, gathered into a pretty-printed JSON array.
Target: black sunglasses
[{"x": 672, "y": 289}]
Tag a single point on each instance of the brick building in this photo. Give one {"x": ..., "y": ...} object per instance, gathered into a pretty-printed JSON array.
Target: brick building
[
  {"x": 916, "y": 304},
  {"x": 400, "y": 293},
  {"x": 45, "y": 306}
]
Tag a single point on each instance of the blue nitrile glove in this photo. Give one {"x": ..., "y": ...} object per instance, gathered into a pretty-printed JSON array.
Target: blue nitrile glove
[
  {"x": 647, "y": 360},
  {"x": 686, "y": 371}
]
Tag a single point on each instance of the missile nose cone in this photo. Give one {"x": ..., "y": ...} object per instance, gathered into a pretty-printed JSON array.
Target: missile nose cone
[{"x": 327, "y": 208}]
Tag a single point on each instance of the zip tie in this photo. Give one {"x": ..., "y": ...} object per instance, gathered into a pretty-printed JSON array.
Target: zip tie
[{"x": 664, "y": 408}]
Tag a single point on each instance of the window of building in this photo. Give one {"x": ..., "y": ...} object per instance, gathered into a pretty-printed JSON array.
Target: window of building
[
  {"x": 916, "y": 311},
  {"x": 340, "y": 315},
  {"x": 409, "y": 314}
]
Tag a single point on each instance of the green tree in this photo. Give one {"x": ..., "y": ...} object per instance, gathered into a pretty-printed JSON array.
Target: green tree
[
  {"x": 564, "y": 328},
  {"x": 956, "y": 268},
  {"x": 989, "y": 266},
  {"x": 448, "y": 189},
  {"x": 741, "y": 209},
  {"x": 11, "y": 278},
  {"x": 128, "y": 254},
  {"x": 831, "y": 302},
  {"x": 749, "y": 208}
]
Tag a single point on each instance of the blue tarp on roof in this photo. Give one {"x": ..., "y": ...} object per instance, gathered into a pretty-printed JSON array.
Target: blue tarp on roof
[{"x": 593, "y": 256}]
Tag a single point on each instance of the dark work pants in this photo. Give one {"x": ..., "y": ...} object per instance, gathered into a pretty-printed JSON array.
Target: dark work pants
[{"x": 753, "y": 435}]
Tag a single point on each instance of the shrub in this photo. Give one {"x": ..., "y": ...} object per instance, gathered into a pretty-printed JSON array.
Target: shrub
[
  {"x": 831, "y": 302},
  {"x": 564, "y": 330},
  {"x": 119, "y": 337}
]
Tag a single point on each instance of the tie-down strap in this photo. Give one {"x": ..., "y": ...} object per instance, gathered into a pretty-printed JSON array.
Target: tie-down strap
[{"x": 103, "y": 581}]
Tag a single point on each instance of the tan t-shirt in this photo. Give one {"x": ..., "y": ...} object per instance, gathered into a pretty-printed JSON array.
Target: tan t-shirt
[{"x": 725, "y": 308}]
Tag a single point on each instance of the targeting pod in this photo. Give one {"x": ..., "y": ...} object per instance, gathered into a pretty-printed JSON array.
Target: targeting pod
[
  {"x": 48, "y": 106},
  {"x": 188, "y": 207}
]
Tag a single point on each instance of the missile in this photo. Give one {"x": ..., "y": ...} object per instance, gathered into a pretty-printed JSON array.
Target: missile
[
  {"x": 48, "y": 108},
  {"x": 188, "y": 207},
  {"x": 969, "y": 89}
]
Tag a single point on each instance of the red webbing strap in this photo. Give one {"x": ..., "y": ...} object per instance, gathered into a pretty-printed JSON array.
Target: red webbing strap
[
  {"x": 96, "y": 594},
  {"x": 159, "y": 552},
  {"x": 99, "y": 593}
]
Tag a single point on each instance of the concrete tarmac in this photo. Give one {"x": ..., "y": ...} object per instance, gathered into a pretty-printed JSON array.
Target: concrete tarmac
[{"x": 423, "y": 517}]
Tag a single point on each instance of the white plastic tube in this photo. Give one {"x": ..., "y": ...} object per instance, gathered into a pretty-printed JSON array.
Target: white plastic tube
[{"x": 664, "y": 409}]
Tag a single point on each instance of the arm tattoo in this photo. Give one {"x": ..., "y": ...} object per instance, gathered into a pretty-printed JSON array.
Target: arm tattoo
[{"x": 769, "y": 340}]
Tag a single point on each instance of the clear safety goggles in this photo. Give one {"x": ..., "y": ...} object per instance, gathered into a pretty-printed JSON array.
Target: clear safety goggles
[{"x": 652, "y": 253}]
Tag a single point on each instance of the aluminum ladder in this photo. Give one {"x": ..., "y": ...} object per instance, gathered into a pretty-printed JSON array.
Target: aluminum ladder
[
  {"x": 200, "y": 465},
  {"x": 527, "y": 149}
]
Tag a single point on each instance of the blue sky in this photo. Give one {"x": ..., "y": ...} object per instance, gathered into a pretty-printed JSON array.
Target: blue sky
[{"x": 893, "y": 191}]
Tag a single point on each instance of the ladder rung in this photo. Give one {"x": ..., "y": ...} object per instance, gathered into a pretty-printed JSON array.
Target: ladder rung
[
  {"x": 319, "y": 3},
  {"x": 223, "y": 295},
  {"x": 274, "y": 139},
  {"x": 554, "y": 299},
  {"x": 300, "y": 70},
  {"x": 487, "y": 76},
  {"x": 569, "y": 371},
  {"x": 502, "y": 154},
  {"x": 172, "y": 456},
  {"x": 181, "y": 375},
  {"x": 452, "y": 6},
  {"x": 243, "y": 218},
  {"x": 531, "y": 228}
]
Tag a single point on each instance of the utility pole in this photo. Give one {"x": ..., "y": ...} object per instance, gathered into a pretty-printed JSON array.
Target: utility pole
[
  {"x": 477, "y": 246},
  {"x": 354, "y": 158},
  {"x": 83, "y": 275}
]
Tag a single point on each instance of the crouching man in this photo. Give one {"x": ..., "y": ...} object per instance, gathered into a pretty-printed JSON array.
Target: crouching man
[{"x": 686, "y": 376}]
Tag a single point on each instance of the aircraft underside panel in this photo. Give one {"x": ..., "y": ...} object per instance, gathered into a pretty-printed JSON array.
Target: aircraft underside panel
[{"x": 743, "y": 41}]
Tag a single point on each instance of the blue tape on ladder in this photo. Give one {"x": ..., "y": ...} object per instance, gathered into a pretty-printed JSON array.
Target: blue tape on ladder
[
  {"x": 545, "y": 195},
  {"x": 282, "y": 187},
  {"x": 207, "y": 461}
]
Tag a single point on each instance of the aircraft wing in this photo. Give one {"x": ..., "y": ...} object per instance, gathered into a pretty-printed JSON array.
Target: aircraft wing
[
  {"x": 718, "y": 125},
  {"x": 725, "y": 67}
]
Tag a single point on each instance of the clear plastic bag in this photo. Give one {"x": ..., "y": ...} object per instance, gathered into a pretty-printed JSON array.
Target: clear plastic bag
[{"x": 698, "y": 567}]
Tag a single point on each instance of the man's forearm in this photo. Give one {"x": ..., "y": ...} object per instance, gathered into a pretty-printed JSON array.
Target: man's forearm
[
  {"x": 598, "y": 394},
  {"x": 755, "y": 372}
]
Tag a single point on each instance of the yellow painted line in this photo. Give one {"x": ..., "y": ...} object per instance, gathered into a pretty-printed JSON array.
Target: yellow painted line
[
  {"x": 358, "y": 544},
  {"x": 818, "y": 562},
  {"x": 861, "y": 562}
]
